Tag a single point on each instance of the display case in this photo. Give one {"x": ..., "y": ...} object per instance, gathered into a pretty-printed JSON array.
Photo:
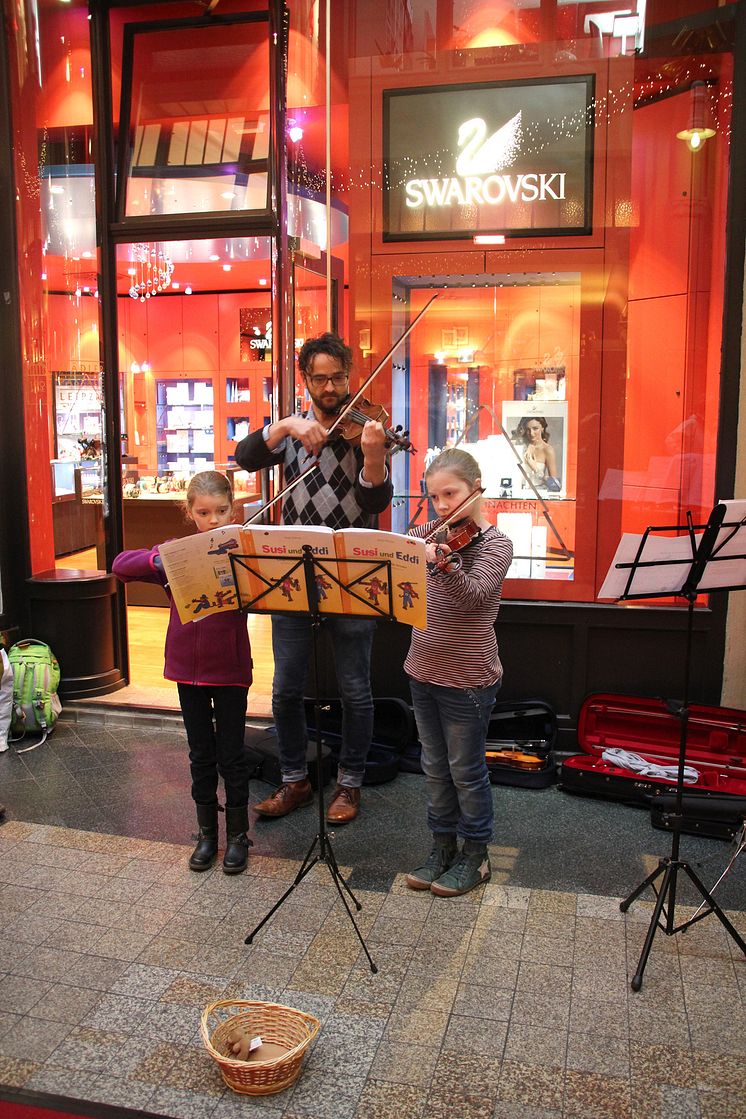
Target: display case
[
  {"x": 76, "y": 505},
  {"x": 185, "y": 426},
  {"x": 91, "y": 471},
  {"x": 78, "y": 412},
  {"x": 246, "y": 406},
  {"x": 452, "y": 401},
  {"x": 63, "y": 480}
]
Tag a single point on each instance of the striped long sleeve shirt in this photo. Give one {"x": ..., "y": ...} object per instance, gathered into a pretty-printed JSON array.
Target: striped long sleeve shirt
[{"x": 458, "y": 649}]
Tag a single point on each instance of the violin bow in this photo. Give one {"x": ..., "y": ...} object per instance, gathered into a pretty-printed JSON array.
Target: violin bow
[
  {"x": 459, "y": 509},
  {"x": 350, "y": 404},
  {"x": 285, "y": 489},
  {"x": 354, "y": 399}
]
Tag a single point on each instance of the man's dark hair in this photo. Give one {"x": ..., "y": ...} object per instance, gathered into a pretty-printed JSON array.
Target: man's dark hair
[{"x": 328, "y": 343}]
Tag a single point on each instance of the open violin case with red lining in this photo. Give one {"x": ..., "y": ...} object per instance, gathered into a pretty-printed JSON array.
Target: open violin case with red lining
[{"x": 648, "y": 730}]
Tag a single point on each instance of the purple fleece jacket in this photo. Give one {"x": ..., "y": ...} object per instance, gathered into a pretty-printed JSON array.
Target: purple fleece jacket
[{"x": 214, "y": 650}]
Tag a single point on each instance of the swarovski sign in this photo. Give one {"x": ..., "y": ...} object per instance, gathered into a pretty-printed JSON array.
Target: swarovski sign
[{"x": 531, "y": 175}]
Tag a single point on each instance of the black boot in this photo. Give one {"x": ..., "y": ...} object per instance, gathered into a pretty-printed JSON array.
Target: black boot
[
  {"x": 237, "y": 842},
  {"x": 203, "y": 855}
]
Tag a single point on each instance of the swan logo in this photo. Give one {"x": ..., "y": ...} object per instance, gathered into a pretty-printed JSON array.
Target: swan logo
[
  {"x": 478, "y": 180},
  {"x": 481, "y": 155}
]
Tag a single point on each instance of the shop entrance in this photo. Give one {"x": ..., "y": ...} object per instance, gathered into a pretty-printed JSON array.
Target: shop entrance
[{"x": 195, "y": 375}]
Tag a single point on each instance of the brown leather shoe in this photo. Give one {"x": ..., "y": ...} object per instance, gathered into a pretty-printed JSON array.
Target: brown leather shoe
[
  {"x": 344, "y": 807},
  {"x": 289, "y": 796}
]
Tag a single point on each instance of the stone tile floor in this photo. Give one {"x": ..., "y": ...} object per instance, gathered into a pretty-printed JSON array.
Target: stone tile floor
[{"x": 510, "y": 1003}]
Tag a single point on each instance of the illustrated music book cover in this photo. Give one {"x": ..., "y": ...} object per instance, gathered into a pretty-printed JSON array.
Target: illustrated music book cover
[
  {"x": 368, "y": 582},
  {"x": 267, "y": 576},
  {"x": 199, "y": 572}
]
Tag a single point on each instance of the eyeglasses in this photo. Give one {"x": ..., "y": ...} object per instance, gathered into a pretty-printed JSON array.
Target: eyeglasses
[{"x": 318, "y": 380}]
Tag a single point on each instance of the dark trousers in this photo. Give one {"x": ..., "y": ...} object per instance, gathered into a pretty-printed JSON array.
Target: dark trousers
[{"x": 215, "y": 722}]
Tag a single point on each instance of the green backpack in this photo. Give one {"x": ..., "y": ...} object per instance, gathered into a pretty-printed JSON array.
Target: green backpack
[{"x": 36, "y": 705}]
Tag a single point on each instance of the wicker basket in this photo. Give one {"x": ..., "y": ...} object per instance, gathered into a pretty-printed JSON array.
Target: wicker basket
[{"x": 282, "y": 1025}]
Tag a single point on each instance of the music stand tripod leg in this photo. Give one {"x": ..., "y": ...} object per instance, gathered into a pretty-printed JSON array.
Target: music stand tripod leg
[
  {"x": 309, "y": 862},
  {"x": 668, "y": 884},
  {"x": 660, "y": 869},
  {"x": 714, "y": 908},
  {"x": 321, "y": 840}
]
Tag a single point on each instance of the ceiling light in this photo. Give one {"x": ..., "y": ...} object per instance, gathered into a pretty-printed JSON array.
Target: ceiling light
[{"x": 695, "y": 135}]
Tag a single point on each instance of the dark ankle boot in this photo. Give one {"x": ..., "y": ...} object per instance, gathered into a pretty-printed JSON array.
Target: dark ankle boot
[
  {"x": 203, "y": 855},
  {"x": 237, "y": 842}
]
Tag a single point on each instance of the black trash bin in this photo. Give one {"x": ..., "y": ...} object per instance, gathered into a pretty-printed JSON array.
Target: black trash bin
[{"x": 75, "y": 613}]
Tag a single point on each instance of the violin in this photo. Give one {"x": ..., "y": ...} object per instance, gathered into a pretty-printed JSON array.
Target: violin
[
  {"x": 354, "y": 419},
  {"x": 455, "y": 539},
  {"x": 517, "y": 758}
]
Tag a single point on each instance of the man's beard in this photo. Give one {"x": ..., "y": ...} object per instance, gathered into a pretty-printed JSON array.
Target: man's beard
[{"x": 329, "y": 408}]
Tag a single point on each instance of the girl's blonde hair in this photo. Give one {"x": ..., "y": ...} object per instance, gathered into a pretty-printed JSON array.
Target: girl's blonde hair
[
  {"x": 208, "y": 483},
  {"x": 457, "y": 462}
]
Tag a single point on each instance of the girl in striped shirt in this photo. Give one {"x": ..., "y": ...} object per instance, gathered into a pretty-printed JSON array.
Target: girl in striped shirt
[{"x": 455, "y": 673}]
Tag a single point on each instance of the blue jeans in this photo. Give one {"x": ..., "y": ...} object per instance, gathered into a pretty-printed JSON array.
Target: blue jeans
[
  {"x": 352, "y": 642},
  {"x": 452, "y": 724}
]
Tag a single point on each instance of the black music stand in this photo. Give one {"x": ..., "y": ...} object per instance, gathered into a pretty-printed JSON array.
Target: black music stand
[
  {"x": 683, "y": 567},
  {"x": 320, "y": 850}
]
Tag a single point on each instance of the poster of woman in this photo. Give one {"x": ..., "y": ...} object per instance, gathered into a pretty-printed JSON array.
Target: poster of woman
[{"x": 537, "y": 430}]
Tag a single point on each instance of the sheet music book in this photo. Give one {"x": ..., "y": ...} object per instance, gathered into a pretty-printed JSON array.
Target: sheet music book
[
  {"x": 673, "y": 558},
  {"x": 728, "y": 550},
  {"x": 202, "y": 582},
  {"x": 267, "y": 583},
  {"x": 199, "y": 572},
  {"x": 369, "y": 580}
]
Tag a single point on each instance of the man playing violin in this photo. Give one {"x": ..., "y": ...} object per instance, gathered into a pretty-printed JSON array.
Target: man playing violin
[{"x": 349, "y": 487}]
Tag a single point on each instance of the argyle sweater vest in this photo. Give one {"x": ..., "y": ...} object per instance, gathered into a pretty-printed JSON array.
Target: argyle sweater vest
[{"x": 330, "y": 495}]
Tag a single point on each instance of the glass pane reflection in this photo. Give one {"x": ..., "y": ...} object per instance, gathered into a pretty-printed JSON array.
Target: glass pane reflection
[{"x": 199, "y": 120}]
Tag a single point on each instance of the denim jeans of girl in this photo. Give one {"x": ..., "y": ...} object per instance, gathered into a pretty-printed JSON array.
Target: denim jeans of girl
[
  {"x": 352, "y": 643},
  {"x": 452, "y": 725}
]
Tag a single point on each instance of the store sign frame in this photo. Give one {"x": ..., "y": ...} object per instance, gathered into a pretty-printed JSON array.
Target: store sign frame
[{"x": 512, "y": 158}]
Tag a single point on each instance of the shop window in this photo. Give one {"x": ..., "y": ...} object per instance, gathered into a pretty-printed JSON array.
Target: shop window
[
  {"x": 494, "y": 369},
  {"x": 195, "y": 114}
]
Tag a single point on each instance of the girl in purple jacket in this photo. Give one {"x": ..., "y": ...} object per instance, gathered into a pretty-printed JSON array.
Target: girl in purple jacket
[{"x": 210, "y": 661}]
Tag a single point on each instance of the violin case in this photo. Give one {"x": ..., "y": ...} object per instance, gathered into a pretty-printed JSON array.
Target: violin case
[
  {"x": 650, "y": 728},
  {"x": 394, "y": 732},
  {"x": 520, "y": 744}
]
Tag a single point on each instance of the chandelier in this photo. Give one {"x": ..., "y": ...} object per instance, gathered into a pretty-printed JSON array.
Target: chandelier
[{"x": 151, "y": 271}]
